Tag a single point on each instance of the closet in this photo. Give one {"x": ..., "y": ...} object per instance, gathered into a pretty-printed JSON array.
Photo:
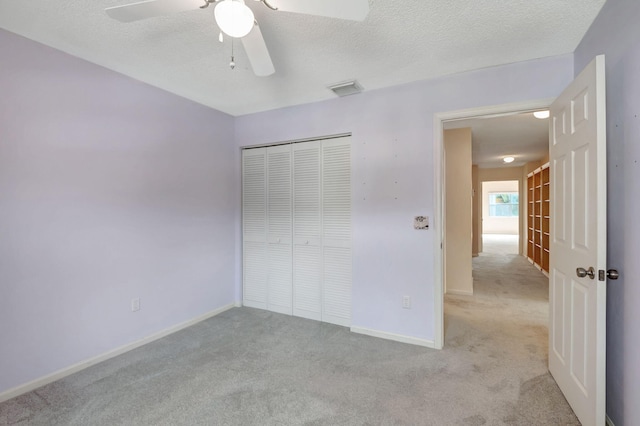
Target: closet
[
  {"x": 296, "y": 217},
  {"x": 538, "y": 219}
]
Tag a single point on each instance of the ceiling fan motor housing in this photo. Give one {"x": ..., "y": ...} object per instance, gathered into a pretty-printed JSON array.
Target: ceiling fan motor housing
[{"x": 234, "y": 18}]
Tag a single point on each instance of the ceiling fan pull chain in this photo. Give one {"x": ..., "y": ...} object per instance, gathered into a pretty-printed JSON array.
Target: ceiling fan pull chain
[{"x": 232, "y": 64}]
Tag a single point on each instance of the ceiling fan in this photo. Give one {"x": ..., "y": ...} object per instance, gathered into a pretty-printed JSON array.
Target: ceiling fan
[{"x": 236, "y": 19}]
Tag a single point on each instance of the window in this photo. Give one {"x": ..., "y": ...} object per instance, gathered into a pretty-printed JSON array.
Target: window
[{"x": 503, "y": 204}]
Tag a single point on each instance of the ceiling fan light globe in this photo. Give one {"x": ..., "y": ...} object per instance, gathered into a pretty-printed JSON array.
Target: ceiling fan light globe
[{"x": 234, "y": 18}]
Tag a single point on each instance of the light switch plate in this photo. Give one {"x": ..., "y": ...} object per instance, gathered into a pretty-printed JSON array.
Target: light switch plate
[{"x": 421, "y": 222}]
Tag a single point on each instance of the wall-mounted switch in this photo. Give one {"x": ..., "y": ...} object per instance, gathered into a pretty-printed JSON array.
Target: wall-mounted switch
[{"x": 421, "y": 222}]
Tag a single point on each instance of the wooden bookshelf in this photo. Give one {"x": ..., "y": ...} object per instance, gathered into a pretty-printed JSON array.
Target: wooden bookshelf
[
  {"x": 538, "y": 217},
  {"x": 530, "y": 216},
  {"x": 546, "y": 190}
]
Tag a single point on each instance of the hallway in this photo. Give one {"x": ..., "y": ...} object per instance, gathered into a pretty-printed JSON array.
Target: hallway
[
  {"x": 500, "y": 244},
  {"x": 503, "y": 328}
]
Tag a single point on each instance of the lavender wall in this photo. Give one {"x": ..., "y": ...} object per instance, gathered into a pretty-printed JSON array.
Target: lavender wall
[
  {"x": 109, "y": 189},
  {"x": 393, "y": 175},
  {"x": 616, "y": 33}
]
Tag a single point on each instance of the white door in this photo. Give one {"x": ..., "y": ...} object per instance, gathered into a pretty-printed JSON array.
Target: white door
[
  {"x": 279, "y": 283},
  {"x": 578, "y": 240},
  {"x": 336, "y": 231},
  {"x": 254, "y": 228},
  {"x": 296, "y": 202},
  {"x": 307, "y": 230}
]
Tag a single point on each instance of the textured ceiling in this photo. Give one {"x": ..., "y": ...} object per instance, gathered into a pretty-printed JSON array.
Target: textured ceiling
[
  {"x": 399, "y": 42},
  {"x": 522, "y": 136}
]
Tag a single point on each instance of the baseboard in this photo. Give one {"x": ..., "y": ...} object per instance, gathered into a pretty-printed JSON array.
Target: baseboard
[
  {"x": 395, "y": 337},
  {"x": 460, "y": 292},
  {"x": 57, "y": 375},
  {"x": 609, "y": 421}
]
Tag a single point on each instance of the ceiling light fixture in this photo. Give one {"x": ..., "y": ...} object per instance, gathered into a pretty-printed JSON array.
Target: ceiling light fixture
[
  {"x": 234, "y": 18},
  {"x": 508, "y": 159},
  {"x": 541, "y": 114}
]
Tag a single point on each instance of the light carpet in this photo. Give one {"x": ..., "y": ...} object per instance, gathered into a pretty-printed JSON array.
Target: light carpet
[
  {"x": 252, "y": 367},
  {"x": 500, "y": 244}
]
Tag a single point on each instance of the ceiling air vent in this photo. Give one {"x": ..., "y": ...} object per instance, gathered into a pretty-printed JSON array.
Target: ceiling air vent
[{"x": 346, "y": 88}]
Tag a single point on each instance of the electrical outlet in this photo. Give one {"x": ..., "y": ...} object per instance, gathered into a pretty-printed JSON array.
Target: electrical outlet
[
  {"x": 406, "y": 302},
  {"x": 135, "y": 304}
]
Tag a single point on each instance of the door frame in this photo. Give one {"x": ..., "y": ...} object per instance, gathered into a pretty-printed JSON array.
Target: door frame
[{"x": 439, "y": 193}]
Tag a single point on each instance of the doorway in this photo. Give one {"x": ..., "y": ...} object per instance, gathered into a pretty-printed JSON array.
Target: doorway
[
  {"x": 577, "y": 308},
  {"x": 509, "y": 302},
  {"x": 439, "y": 166}
]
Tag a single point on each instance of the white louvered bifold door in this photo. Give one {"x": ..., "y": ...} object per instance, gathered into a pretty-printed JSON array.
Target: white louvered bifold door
[
  {"x": 254, "y": 228},
  {"x": 336, "y": 231},
  {"x": 279, "y": 222},
  {"x": 307, "y": 227}
]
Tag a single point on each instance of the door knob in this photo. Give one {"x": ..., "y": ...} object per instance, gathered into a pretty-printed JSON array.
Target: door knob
[
  {"x": 613, "y": 274},
  {"x": 581, "y": 272}
]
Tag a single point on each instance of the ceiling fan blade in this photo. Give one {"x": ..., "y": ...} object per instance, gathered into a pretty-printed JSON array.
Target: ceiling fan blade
[
  {"x": 151, "y": 8},
  {"x": 354, "y": 10},
  {"x": 256, "y": 50}
]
